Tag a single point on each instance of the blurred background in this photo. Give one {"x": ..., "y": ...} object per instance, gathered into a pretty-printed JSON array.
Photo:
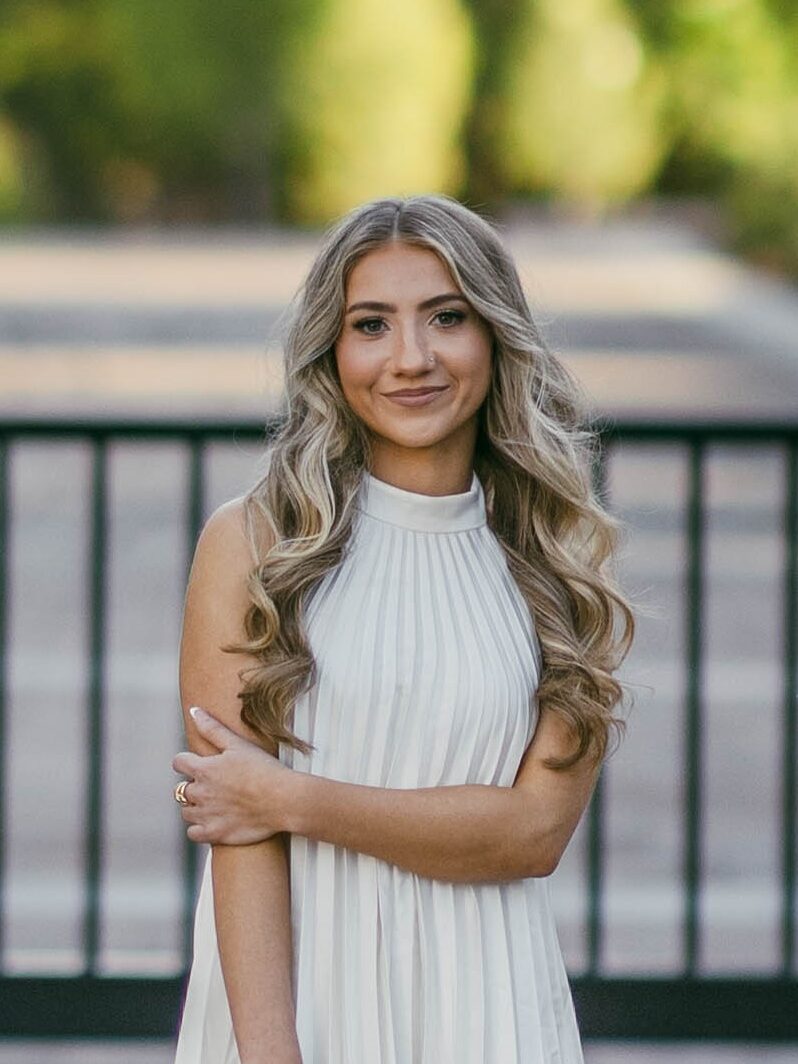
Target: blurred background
[
  {"x": 166, "y": 172},
  {"x": 293, "y": 111}
]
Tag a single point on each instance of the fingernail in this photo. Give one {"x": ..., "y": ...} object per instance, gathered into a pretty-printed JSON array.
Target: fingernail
[{"x": 194, "y": 711}]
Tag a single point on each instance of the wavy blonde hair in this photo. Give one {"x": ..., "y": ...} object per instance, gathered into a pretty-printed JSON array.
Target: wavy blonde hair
[{"x": 535, "y": 456}]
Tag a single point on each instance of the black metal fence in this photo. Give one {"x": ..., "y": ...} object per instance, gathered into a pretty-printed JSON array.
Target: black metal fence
[{"x": 686, "y": 1004}]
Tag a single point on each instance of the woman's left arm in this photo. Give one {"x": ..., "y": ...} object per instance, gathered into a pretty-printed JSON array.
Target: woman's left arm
[{"x": 461, "y": 833}]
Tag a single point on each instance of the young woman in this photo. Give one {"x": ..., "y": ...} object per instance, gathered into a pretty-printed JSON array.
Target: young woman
[{"x": 405, "y": 634}]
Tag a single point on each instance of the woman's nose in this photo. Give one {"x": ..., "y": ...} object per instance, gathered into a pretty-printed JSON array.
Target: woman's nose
[{"x": 411, "y": 348}]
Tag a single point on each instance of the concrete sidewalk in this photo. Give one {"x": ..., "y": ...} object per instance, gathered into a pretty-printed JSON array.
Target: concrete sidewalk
[{"x": 595, "y": 1053}]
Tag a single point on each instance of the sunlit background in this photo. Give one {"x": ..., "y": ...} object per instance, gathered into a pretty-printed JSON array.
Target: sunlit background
[{"x": 166, "y": 170}]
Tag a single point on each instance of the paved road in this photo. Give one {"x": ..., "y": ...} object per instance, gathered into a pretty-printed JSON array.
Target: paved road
[
  {"x": 654, "y": 320},
  {"x": 595, "y": 1053}
]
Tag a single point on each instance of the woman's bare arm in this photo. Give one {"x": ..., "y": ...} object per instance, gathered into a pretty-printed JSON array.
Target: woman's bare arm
[
  {"x": 464, "y": 833},
  {"x": 250, "y": 883},
  {"x": 461, "y": 833}
]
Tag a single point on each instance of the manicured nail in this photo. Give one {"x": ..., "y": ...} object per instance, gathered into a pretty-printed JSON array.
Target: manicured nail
[{"x": 194, "y": 711}]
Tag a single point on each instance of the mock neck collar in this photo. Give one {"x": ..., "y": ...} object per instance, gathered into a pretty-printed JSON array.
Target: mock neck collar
[{"x": 420, "y": 512}]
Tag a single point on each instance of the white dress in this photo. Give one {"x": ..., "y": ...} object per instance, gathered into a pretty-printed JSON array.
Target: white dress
[{"x": 428, "y": 666}]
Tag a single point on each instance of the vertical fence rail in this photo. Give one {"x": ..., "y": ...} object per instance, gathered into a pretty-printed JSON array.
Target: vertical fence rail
[
  {"x": 194, "y": 516},
  {"x": 789, "y": 745},
  {"x": 596, "y": 812},
  {"x": 693, "y": 795},
  {"x": 96, "y": 702},
  {"x": 5, "y": 496}
]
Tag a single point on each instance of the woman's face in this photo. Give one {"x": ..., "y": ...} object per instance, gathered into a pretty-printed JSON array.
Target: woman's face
[{"x": 407, "y": 327}]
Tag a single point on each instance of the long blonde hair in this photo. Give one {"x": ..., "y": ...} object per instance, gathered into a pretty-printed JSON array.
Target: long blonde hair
[{"x": 535, "y": 455}]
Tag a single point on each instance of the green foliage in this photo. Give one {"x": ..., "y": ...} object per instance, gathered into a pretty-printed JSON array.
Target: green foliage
[
  {"x": 115, "y": 110},
  {"x": 730, "y": 80},
  {"x": 734, "y": 114},
  {"x": 371, "y": 98},
  {"x": 783, "y": 10},
  {"x": 12, "y": 196},
  {"x": 56, "y": 92},
  {"x": 119, "y": 110},
  {"x": 763, "y": 218},
  {"x": 584, "y": 104},
  {"x": 194, "y": 79},
  {"x": 496, "y": 25}
]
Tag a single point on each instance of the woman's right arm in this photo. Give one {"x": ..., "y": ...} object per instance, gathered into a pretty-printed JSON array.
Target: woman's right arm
[{"x": 250, "y": 883}]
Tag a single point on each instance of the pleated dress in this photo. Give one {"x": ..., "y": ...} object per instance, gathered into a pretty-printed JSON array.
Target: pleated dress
[{"x": 427, "y": 671}]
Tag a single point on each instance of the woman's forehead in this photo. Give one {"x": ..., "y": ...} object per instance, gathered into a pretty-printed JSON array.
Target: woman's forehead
[{"x": 380, "y": 271}]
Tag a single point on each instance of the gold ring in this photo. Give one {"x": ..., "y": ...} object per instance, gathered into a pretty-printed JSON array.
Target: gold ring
[{"x": 180, "y": 792}]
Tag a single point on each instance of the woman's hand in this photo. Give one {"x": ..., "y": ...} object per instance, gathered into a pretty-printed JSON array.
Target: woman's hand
[{"x": 236, "y": 797}]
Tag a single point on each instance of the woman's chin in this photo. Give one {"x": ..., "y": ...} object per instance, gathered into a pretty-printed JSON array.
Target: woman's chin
[
  {"x": 413, "y": 428},
  {"x": 414, "y": 440}
]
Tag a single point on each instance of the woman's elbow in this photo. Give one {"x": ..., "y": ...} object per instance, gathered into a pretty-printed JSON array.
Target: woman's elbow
[
  {"x": 541, "y": 865},
  {"x": 544, "y": 855}
]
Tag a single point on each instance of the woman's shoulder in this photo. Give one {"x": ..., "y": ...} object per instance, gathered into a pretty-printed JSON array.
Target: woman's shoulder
[{"x": 237, "y": 530}]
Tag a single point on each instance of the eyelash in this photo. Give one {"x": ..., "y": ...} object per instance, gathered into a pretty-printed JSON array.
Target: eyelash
[{"x": 458, "y": 315}]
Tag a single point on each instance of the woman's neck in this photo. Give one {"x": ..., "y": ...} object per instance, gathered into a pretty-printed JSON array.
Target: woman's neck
[{"x": 436, "y": 475}]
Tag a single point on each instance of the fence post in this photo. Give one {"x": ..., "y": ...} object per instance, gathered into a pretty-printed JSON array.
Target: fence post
[{"x": 96, "y": 702}]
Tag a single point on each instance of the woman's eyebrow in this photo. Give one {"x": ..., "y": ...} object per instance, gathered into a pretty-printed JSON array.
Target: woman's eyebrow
[{"x": 389, "y": 308}]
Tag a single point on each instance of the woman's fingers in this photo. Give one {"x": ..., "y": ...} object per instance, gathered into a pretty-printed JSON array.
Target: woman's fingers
[
  {"x": 222, "y": 737},
  {"x": 219, "y": 831},
  {"x": 199, "y": 826},
  {"x": 187, "y": 763},
  {"x": 196, "y": 833}
]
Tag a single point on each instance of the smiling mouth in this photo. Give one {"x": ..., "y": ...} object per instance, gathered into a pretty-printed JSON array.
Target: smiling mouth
[
  {"x": 416, "y": 397},
  {"x": 416, "y": 391}
]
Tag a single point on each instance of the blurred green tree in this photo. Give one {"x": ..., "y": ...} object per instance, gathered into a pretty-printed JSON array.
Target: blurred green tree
[
  {"x": 762, "y": 198},
  {"x": 195, "y": 80},
  {"x": 496, "y": 25},
  {"x": 370, "y": 100},
  {"x": 60, "y": 119},
  {"x": 733, "y": 113},
  {"x": 584, "y": 104},
  {"x": 729, "y": 76},
  {"x": 12, "y": 185},
  {"x": 117, "y": 111},
  {"x": 298, "y": 109}
]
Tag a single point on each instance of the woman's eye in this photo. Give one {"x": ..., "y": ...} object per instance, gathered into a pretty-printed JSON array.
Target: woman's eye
[
  {"x": 452, "y": 316},
  {"x": 374, "y": 326},
  {"x": 364, "y": 325}
]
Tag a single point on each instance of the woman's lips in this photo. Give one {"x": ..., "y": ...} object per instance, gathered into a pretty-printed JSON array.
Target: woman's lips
[{"x": 417, "y": 399}]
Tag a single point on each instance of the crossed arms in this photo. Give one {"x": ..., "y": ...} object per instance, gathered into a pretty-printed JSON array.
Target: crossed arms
[{"x": 242, "y": 794}]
